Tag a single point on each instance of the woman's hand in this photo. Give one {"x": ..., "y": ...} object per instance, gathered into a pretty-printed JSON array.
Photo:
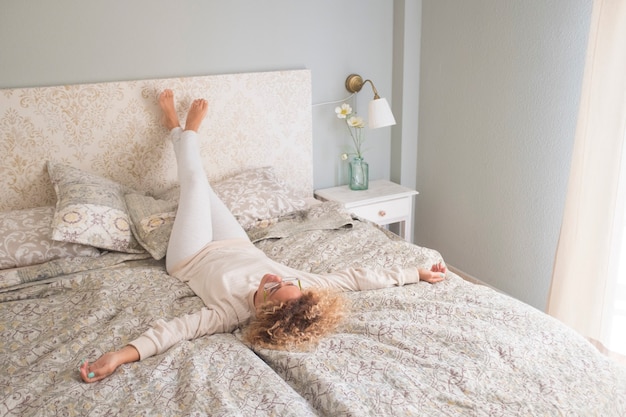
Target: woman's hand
[
  {"x": 107, "y": 364},
  {"x": 436, "y": 274}
]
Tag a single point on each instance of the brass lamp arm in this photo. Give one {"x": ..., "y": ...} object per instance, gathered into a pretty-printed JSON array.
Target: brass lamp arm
[{"x": 354, "y": 84}]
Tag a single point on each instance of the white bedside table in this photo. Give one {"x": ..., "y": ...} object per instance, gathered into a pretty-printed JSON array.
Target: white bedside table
[{"x": 383, "y": 203}]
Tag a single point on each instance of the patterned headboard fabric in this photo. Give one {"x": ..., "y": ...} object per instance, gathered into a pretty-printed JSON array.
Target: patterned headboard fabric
[{"x": 114, "y": 130}]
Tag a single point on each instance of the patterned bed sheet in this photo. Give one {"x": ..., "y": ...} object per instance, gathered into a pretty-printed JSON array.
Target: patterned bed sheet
[{"x": 448, "y": 349}]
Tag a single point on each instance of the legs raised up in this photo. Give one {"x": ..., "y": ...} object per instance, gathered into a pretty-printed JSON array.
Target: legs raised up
[{"x": 201, "y": 217}]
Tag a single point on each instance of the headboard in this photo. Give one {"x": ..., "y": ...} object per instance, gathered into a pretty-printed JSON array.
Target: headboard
[{"x": 114, "y": 130}]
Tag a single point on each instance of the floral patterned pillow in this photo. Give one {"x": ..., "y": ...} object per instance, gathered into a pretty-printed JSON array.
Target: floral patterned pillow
[
  {"x": 257, "y": 196},
  {"x": 151, "y": 222},
  {"x": 25, "y": 239},
  {"x": 91, "y": 210}
]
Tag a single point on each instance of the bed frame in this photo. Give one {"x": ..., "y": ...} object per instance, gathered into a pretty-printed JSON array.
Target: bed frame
[{"x": 113, "y": 130}]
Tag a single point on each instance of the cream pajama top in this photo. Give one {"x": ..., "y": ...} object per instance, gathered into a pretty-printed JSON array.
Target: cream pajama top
[{"x": 226, "y": 274}]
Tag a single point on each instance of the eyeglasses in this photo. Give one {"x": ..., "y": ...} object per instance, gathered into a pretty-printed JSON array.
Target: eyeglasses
[{"x": 271, "y": 287}]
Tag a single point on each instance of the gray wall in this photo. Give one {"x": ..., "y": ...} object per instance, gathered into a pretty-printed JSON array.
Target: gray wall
[
  {"x": 76, "y": 41},
  {"x": 499, "y": 93},
  {"x": 496, "y": 83}
]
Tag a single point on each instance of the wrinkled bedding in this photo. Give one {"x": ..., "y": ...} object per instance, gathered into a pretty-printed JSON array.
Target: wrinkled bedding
[{"x": 448, "y": 349}]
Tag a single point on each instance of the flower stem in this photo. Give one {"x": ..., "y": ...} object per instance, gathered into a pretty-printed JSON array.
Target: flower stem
[{"x": 356, "y": 139}]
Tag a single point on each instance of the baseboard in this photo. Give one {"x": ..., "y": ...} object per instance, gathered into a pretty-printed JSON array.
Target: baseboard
[{"x": 469, "y": 278}]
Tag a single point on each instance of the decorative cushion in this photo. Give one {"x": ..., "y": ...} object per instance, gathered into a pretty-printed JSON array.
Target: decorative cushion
[
  {"x": 151, "y": 222},
  {"x": 91, "y": 210},
  {"x": 99, "y": 212},
  {"x": 256, "y": 196},
  {"x": 25, "y": 239}
]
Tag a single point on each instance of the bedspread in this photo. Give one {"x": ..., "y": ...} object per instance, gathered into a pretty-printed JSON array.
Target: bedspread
[
  {"x": 448, "y": 349},
  {"x": 49, "y": 328}
]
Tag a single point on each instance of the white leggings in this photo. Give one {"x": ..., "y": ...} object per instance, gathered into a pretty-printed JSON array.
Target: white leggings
[{"x": 201, "y": 217}]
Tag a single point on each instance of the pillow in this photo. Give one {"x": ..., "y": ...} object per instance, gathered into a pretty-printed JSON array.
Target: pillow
[
  {"x": 151, "y": 222},
  {"x": 171, "y": 194},
  {"x": 91, "y": 210},
  {"x": 257, "y": 196},
  {"x": 25, "y": 239}
]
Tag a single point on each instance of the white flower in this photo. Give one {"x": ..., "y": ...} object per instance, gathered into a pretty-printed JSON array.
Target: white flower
[
  {"x": 356, "y": 121},
  {"x": 355, "y": 125},
  {"x": 343, "y": 111}
]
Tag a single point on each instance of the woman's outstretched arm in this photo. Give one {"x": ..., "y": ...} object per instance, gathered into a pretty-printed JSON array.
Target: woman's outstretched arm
[
  {"x": 359, "y": 279},
  {"x": 436, "y": 274},
  {"x": 107, "y": 364}
]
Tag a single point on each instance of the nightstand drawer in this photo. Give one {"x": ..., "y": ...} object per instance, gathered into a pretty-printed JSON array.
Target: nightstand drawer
[
  {"x": 385, "y": 212},
  {"x": 383, "y": 203}
]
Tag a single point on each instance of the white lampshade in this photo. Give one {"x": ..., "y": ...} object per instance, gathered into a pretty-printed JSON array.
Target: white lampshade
[{"x": 380, "y": 114}]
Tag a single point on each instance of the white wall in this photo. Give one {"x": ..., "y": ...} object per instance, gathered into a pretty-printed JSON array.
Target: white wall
[
  {"x": 499, "y": 92},
  {"x": 75, "y": 41}
]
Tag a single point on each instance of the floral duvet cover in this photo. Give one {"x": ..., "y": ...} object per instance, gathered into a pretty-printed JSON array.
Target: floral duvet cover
[{"x": 449, "y": 349}]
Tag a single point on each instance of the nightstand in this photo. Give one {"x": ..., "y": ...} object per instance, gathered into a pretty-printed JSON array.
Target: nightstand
[{"x": 383, "y": 203}]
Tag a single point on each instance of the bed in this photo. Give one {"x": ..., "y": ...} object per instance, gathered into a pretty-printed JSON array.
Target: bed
[{"x": 88, "y": 196}]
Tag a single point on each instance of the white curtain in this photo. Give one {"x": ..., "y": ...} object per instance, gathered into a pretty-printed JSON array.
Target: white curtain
[{"x": 588, "y": 290}]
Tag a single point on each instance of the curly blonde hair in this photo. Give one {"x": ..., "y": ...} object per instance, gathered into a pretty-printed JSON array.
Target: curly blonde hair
[{"x": 298, "y": 323}]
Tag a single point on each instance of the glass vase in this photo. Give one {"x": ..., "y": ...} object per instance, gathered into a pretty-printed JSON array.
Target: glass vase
[{"x": 359, "y": 174}]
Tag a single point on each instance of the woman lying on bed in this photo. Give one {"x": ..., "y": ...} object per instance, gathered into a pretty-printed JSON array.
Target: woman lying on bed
[{"x": 210, "y": 251}]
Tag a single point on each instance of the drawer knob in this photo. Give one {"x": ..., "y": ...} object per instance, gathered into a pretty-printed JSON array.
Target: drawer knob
[{"x": 382, "y": 213}]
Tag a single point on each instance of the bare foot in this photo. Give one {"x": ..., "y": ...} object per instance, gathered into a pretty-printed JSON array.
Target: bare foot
[
  {"x": 197, "y": 113},
  {"x": 166, "y": 101}
]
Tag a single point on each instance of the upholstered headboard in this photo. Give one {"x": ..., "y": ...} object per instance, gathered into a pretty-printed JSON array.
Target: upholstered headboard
[{"x": 114, "y": 130}]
